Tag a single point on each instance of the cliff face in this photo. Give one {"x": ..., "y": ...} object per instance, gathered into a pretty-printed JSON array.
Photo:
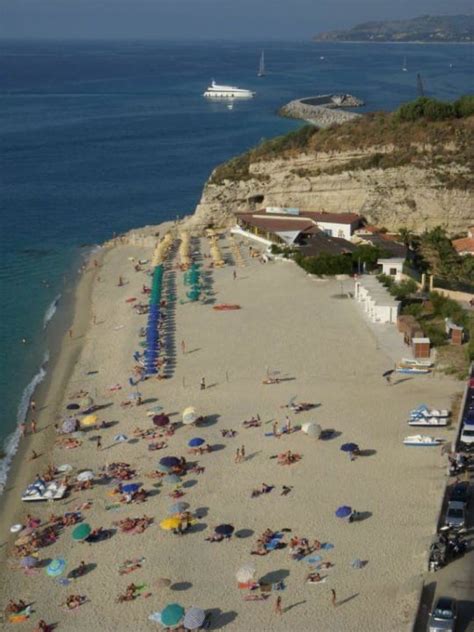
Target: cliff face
[{"x": 389, "y": 189}]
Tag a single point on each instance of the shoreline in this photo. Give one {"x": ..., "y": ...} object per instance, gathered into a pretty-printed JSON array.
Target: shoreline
[{"x": 50, "y": 391}]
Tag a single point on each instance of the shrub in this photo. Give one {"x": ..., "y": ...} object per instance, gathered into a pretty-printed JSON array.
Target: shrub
[
  {"x": 464, "y": 106},
  {"x": 435, "y": 333},
  {"x": 415, "y": 310},
  {"x": 326, "y": 264}
]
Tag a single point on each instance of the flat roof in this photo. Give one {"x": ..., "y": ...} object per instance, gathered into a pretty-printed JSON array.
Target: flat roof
[{"x": 316, "y": 216}]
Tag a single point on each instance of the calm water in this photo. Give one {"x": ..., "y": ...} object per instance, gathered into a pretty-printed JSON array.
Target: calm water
[{"x": 103, "y": 137}]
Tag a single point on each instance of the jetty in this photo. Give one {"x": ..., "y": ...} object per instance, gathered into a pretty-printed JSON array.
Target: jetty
[{"x": 322, "y": 110}]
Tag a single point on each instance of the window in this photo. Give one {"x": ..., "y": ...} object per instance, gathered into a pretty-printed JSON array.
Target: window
[
  {"x": 393, "y": 272},
  {"x": 340, "y": 233},
  {"x": 328, "y": 231}
]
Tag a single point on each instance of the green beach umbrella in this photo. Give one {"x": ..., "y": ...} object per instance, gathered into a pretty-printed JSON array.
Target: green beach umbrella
[
  {"x": 81, "y": 532},
  {"x": 172, "y": 614}
]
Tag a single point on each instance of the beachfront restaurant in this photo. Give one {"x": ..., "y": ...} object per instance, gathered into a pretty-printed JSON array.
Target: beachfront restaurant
[{"x": 377, "y": 302}]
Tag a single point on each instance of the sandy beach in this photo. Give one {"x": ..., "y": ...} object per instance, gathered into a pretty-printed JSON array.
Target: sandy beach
[{"x": 319, "y": 347}]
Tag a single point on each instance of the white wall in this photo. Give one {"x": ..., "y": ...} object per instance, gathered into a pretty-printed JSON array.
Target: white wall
[{"x": 337, "y": 230}]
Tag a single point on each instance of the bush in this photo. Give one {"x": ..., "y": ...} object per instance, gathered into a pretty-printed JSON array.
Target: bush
[
  {"x": 415, "y": 310},
  {"x": 431, "y": 110},
  {"x": 464, "y": 106},
  {"x": 435, "y": 333},
  {"x": 326, "y": 264},
  {"x": 368, "y": 255},
  {"x": 447, "y": 308}
]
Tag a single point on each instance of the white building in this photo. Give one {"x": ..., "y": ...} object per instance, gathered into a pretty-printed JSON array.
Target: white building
[
  {"x": 376, "y": 300},
  {"x": 392, "y": 267}
]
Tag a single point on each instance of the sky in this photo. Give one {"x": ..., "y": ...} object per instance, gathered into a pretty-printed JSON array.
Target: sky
[{"x": 203, "y": 19}]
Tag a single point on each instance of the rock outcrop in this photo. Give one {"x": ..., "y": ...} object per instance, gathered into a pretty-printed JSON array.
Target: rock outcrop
[{"x": 418, "y": 189}]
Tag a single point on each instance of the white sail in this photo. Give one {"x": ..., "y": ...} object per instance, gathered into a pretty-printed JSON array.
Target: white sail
[{"x": 261, "y": 67}]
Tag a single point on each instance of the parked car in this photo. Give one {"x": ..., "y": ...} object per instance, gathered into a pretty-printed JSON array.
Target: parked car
[
  {"x": 460, "y": 492},
  {"x": 444, "y": 615},
  {"x": 467, "y": 434},
  {"x": 456, "y": 514}
]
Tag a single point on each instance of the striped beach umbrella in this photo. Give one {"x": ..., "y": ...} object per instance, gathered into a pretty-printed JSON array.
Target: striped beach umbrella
[
  {"x": 194, "y": 618},
  {"x": 56, "y": 567}
]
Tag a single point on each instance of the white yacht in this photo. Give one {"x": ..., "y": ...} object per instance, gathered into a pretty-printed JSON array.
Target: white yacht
[{"x": 217, "y": 91}]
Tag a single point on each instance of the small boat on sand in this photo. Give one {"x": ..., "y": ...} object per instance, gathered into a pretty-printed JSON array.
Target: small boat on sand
[
  {"x": 428, "y": 421},
  {"x": 422, "y": 441},
  {"x": 40, "y": 490},
  {"x": 423, "y": 411}
]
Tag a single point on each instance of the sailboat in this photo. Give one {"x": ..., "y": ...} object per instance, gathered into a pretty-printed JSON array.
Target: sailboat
[
  {"x": 404, "y": 67},
  {"x": 261, "y": 67}
]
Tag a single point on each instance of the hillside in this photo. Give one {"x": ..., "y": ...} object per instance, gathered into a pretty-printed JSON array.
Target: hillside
[
  {"x": 426, "y": 28},
  {"x": 417, "y": 174}
]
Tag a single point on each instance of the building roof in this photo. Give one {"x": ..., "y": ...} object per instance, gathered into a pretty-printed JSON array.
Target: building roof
[
  {"x": 392, "y": 248},
  {"x": 317, "y": 216},
  {"x": 275, "y": 224},
  {"x": 465, "y": 244},
  {"x": 318, "y": 242}
]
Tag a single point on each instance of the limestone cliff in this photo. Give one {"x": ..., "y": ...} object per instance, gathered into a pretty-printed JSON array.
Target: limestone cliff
[{"x": 414, "y": 176}]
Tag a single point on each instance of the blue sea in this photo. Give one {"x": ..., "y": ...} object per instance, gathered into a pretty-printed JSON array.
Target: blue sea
[{"x": 100, "y": 137}]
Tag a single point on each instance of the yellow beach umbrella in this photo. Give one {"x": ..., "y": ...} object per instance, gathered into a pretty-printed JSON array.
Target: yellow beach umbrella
[
  {"x": 90, "y": 420},
  {"x": 168, "y": 524}
]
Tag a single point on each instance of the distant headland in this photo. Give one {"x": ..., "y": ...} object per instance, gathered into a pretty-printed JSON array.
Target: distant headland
[{"x": 423, "y": 29}]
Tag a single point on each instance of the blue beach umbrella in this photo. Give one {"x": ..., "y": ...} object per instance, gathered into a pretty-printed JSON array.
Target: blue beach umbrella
[
  {"x": 29, "y": 561},
  {"x": 56, "y": 567},
  {"x": 178, "y": 507},
  {"x": 349, "y": 447},
  {"x": 172, "y": 479},
  {"x": 225, "y": 529},
  {"x": 196, "y": 442},
  {"x": 170, "y": 461},
  {"x": 130, "y": 488},
  {"x": 344, "y": 511}
]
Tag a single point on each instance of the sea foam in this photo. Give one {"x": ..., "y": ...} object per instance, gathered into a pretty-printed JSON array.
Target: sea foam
[
  {"x": 51, "y": 311},
  {"x": 12, "y": 442}
]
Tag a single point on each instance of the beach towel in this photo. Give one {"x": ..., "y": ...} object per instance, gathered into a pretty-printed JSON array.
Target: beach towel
[
  {"x": 312, "y": 559},
  {"x": 327, "y": 546},
  {"x": 321, "y": 581}
]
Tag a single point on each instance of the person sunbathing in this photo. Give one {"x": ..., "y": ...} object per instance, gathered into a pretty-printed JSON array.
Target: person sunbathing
[
  {"x": 74, "y": 601},
  {"x": 313, "y": 578},
  {"x": 259, "y": 549},
  {"x": 215, "y": 537},
  {"x": 42, "y": 626},
  {"x": 14, "y": 607},
  {"x": 197, "y": 469},
  {"x": 228, "y": 433}
]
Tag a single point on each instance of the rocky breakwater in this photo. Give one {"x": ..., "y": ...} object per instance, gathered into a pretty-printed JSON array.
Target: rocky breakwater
[
  {"x": 322, "y": 110},
  {"x": 416, "y": 176}
]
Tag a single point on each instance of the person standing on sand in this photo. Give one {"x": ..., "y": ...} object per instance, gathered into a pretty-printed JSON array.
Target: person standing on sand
[
  {"x": 242, "y": 453},
  {"x": 237, "y": 456},
  {"x": 33, "y": 426},
  {"x": 70, "y": 333},
  {"x": 234, "y": 275},
  {"x": 333, "y": 597},
  {"x": 23, "y": 429},
  {"x": 33, "y": 406},
  {"x": 203, "y": 384},
  {"x": 183, "y": 347},
  {"x": 99, "y": 442},
  {"x": 278, "y": 609},
  {"x": 275, "y": 429}
]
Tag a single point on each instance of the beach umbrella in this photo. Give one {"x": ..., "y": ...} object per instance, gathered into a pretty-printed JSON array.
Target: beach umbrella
[
  {"x": 29, "y": 561},
  {"x": 162, "y": 582},
  {"x": 86, "y": 402},
  {"x": 344, "y": 511},
  {"x": 56, "y": 567},
  {"x": 178, "y": 507},
  {"x": 349, "y": 447},
  {"x": 170, "y": 461},
  {"x": 81, "y": 532},
  {"x": 135, "y": 395},
  {"x": 245, "y": 574},
  {"x": 15, "y": 528},
  {"x": 161, "y": 420},
  {"x": 172, "y": 614},
  {"x": 120, "y": 438},
  {"x": 155, "y": 410},
  {"x": 87, "y": 475},
  {"x": 164, "y": 469},
  {"x": 130, "y": 488},
  {"x": 90, "y": 420},
  {"x": 172, "y": 478},
  {"x": 69, "y": 425},
  {"x": 189, "y": 415},
  {"x": 196, "y": 442},
  {"x": 73, "y": 406},
  {"x": 64, "y": 468},
  {"x": 312, "y": 429},
  {"x": 194, "y": 618},
  {"x": 168, "y": 524},
  {"x": 357, "y": 563},
  {"x": 224, "y": 529}
]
